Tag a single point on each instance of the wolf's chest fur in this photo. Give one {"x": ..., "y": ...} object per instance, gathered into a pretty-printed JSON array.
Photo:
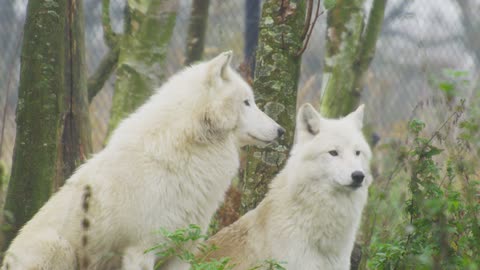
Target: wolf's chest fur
[{"x": 314, "y": 234}]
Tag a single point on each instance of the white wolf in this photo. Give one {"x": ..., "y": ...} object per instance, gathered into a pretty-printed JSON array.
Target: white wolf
[
  {"x": 312, "y": 212},
  {"x": 166, "y": 166}
]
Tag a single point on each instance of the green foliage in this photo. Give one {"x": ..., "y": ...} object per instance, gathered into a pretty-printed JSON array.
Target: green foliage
[
  {"x": 177, "y": 245},
  {"x": 439, "y": 227},
  {"x": 179, "y": 242},
  {"x": 423, "y": 211},
  {"x": 450, "y": 82},
  {"x": 270, "y": 265},
  {"x": 329, "y": 4}
]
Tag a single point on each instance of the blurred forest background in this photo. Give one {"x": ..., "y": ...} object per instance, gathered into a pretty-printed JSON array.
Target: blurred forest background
[
  {"x": 426, "y": 66},
  {"x": 420, "y": 39}
]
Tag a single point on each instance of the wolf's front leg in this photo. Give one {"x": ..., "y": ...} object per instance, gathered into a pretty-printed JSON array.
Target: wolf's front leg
[{"x": 135, "y": 258}]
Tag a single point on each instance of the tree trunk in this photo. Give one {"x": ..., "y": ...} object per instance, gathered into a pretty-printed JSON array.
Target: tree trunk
[
  {"x": 252, "y": 20},
  {"x": 53, "y": 134},
  {"x": 110, "y": 61},
  {"x": 196, "y": 31},
  {"x": 275, "y": 84},
  {"x": 148, "y": 29},
  {"x": 344, "y": 31},
  {"x": 349, "y": 51},
  {"x": 76, "y": 138}
]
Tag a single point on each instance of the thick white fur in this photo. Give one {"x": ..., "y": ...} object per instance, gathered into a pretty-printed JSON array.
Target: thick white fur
[
  {"x": 311, "y": 215},
  {"x": 166, "y": 166}
]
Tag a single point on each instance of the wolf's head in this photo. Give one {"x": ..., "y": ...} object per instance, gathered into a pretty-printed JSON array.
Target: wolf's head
[
  {"x": 332, "y": 152},
  {"x": 231, "y": 105}
]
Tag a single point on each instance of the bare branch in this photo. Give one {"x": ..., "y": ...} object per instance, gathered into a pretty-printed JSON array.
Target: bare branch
[
  {"x": 318, "y": 13},
  {"x": 308, "y": 19},
  {"x": 106, "y": 67},
  {"x": 370, "y": 36},
  {"x": 109, "y": 62}
]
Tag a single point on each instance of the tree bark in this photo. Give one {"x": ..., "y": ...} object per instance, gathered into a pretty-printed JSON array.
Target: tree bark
[
  {"x": 368, "y": 44},
  {"x": 148, "y": 29},
  {"x": 53, "y": 128},
  {"x": 344, "y": 32},
  {"x": 349, "y": 52},
  {"x": 196, "y": 31},
  {"x": 275, "y": 84},
  {"x": 109, "y": 62},
  {"x": 252, "y": 20},
  {"x": 76, "y": 138}
]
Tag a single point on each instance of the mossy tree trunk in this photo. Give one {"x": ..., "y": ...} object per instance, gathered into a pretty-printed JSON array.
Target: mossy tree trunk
[
  {"x": 53, "y": 134},
  {"x": 76, "y": 137},
  {"x": 196, "y": 31},
  {"x": 275, "y": 83},
  {"x": 349, "y": 51},
  {"x": 109, "y": 62},
  {"x": 148, "y": 29}
]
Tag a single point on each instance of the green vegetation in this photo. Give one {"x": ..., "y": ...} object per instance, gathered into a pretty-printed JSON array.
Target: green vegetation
[
  {"x": 424, "y": 212},
  {"x": 349, "y": 50},
  {"x": 177, "y": 246}
]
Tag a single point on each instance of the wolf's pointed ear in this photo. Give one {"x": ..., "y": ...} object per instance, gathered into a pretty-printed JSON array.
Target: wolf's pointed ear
[
  {"x": 308, "y": 122},
  {"x": 357, "y": 116},
  {"x": 218, "y": 66}
]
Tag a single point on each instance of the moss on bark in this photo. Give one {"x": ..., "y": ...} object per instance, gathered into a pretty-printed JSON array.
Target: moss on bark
[
  {"x": 344, "y": 32},
  {"x": 39, "y": 110},
  {"x": 53, "y": 127},
  {"x": 143, "y": 50},
  {"x": 275, "y": 84},
  {"x": 349, "y": 51}
]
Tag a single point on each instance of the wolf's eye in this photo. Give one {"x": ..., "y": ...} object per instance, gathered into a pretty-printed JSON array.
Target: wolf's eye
[
  {"x": 333, "y": 153},
  {"x": 246, "y": 102},
  {"x": 357, "y": 153}
]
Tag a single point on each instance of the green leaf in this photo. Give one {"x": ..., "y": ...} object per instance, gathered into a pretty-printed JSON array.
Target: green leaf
[
  {"x": 432, "y": 151},
  {"x": 447, "y": 87},
  {"x": 415, "y": 126}
]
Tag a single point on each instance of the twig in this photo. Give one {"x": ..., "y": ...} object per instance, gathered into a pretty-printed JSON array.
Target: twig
[
  {"x": 310, "y": 29},
  {"x": 308, "y": 19},
  {"x": 103, "y": 72}
]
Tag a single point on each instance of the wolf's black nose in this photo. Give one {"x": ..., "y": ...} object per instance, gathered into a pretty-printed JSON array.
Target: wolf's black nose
[
  {"x": 280, "y": 131},
  {"x": 357, "y": 177}
]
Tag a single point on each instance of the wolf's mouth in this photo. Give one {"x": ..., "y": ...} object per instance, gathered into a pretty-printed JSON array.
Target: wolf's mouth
[
  {"x": 258, "y": 139},
  {"x": 354, "y": 186}
]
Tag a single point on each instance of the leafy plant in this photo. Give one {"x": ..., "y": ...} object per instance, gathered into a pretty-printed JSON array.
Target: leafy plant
[
  {"x": 440, "y": 227},
  {"x": 179, "y": 243}
]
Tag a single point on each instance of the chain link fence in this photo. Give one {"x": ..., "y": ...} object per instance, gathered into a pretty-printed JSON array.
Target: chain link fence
[{"x": 420, "y": 41}]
